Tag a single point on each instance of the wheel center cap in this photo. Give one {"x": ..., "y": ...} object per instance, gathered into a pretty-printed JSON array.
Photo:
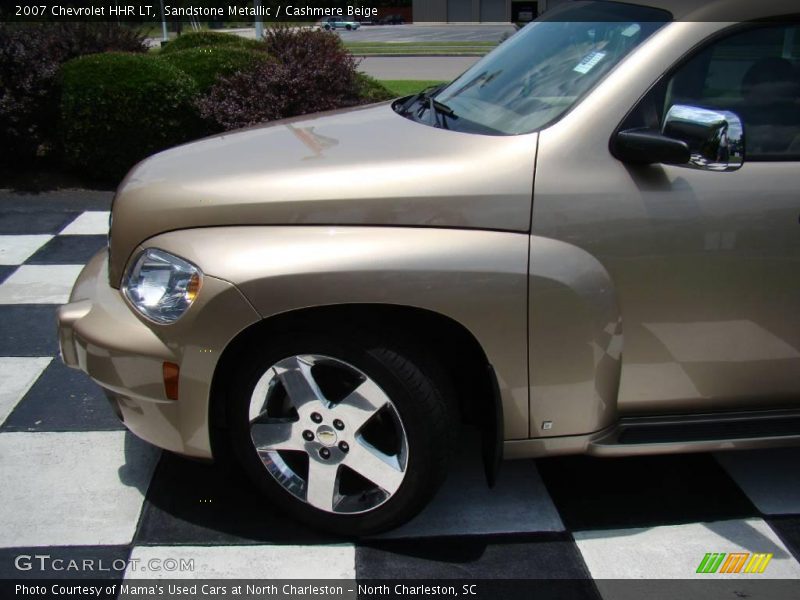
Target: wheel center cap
[{"x": 326, "y": 436}]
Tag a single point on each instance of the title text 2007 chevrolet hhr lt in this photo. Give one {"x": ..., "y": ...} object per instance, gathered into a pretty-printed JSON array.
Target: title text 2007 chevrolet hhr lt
[{"x": 586, "y": 243}]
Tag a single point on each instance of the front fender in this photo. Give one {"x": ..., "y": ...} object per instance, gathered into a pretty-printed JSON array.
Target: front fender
[
  {"x": 477, "y": 278},
  {"x": 575, "y": 341}
]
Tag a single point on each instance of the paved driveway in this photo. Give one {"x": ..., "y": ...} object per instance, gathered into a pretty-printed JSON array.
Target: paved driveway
[
  {"x": 443, "y": 68},
  {"x": 404, "y": 33},
  {"x": 427, "y": 33}
]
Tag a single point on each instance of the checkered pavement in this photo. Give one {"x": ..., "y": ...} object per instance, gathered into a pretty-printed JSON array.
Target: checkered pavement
[{"x": 73, "y": 482}]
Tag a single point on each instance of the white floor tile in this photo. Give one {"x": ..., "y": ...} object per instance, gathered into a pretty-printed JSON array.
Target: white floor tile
[
  {"x": 17, "y": 375},
  {"x": 16, "y": 249},
  {"x": 675, "y": 552},
  {"x": 39, "y": 284},
  {"x": 770, "y": 478},
  {"x": 243, "y": 562},
  {"x": 72, "y": 488},
  {"x": 466, "y": 506},
  {"x": 88, "y": 223}
]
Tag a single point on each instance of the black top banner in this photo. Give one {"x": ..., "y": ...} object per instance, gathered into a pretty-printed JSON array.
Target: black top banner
[
  {"x": 153, "y": 11},
  {"x": 310, "y": 11}
]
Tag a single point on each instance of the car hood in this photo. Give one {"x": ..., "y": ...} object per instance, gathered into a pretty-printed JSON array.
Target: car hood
[{"x": 362, "y": 166}]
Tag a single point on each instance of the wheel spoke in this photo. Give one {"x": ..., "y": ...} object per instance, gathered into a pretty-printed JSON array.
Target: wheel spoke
[
  {"x": 276, "y": 436},
  {"x": 295, "y": 375},
  {"x": 289, "y": 414},
  {"x": 374, "y": 466},
  {"x": 322, "y": 484},
  {"x": 362, "y": 404}
]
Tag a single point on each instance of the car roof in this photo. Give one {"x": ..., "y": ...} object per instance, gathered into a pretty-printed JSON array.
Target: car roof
[{"x": 723, "y": 10}]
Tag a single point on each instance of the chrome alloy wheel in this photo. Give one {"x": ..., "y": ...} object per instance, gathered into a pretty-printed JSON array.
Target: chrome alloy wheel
[{"x": 328, "y": 434}]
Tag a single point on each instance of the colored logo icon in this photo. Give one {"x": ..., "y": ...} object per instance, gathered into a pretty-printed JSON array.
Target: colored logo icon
[{"x": 735, "y": 562}]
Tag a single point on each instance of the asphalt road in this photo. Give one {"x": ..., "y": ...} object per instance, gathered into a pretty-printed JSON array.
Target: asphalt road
[
  {"x": 427, "y": 33},
  {"x": 443, "y": 68},
  {"x": 405, "y": 33},
  {"x": 413, "y": 67}
]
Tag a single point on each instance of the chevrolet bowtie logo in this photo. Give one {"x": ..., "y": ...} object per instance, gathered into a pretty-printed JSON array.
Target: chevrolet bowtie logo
[{"x": 327, "y": 438}]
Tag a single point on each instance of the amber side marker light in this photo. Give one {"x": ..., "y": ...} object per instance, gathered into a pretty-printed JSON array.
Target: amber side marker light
[
  {"x": 171, "y": 372},
  {"x": 193, "y": 288}
]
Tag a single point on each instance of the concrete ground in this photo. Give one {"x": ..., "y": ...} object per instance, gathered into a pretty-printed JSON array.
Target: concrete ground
[{"x": 443, "y": 68}]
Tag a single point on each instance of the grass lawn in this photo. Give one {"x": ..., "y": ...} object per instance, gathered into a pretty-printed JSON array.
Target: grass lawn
[{"x": 406, "y": 87}]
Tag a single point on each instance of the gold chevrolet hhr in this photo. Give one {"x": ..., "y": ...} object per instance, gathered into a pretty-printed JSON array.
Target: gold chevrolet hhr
[{"x": 587, "y": 243}]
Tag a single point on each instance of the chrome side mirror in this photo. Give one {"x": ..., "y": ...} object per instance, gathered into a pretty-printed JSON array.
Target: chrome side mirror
[{"x": 715, "y": 137}]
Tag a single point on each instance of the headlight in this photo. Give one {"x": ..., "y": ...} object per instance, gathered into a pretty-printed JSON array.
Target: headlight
[{"x": 161, "y": 286}]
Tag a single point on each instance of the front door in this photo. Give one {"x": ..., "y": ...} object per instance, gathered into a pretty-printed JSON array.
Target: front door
[{"x": 705, "y": 265}]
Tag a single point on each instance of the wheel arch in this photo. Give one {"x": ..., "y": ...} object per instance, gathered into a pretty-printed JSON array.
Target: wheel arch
[{"x": 455, "y": 348}]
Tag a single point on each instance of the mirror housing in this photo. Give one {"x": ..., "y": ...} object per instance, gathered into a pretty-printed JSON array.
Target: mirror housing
[
  {"x": 646, "y": 147},
  {"x": 715, "y": 137}
]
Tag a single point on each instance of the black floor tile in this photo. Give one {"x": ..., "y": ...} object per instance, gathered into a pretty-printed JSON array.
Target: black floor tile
[
  {"x": 600, "y": 493},
  {"x": 531, "y": 557},
  {"x": 788, "y": 529},
  {"x": 63, "y": 399},
  {"x": 64, "y": 562},
  {"x": 68, "y": 200},
  {"x": 192, "y": 502},
  {"x": 5, "y": 271},
  {"x": 28, "y": 330},
  {"x": 68, "y": 250},
  {"x": 28, "y": 222}
]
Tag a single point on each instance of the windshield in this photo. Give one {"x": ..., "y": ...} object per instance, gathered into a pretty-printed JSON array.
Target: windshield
[{"x": 538, "y": 74}]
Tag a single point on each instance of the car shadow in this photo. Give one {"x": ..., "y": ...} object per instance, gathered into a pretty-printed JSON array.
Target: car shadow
[
  {"x": 199, "y": 503},
  {"x": 140, "y": 462}
]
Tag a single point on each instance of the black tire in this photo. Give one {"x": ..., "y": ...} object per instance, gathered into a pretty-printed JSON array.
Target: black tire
[
  {"x": 414, "y": 385},
  {"x": 349, "y": 27}
]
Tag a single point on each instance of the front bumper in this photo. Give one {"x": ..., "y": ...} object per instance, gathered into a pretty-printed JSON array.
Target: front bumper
[{"x": 101, "y": 335}]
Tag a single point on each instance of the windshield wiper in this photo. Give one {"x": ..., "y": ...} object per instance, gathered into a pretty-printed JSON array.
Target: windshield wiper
[
  {"x": 425, "y": 94},
  {"x": 426, "y": 101},
  {"x": 436, "y": 108}
]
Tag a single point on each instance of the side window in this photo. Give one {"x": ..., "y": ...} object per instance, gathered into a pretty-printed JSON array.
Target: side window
[{"x": 754, "y": 73}]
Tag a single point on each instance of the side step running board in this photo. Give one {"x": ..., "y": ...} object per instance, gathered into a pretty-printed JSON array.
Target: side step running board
[{"x": 698, "y": 433}]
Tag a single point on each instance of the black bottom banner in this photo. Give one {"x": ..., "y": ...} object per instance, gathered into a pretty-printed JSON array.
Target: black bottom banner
[{"x": 467, "y": 589}]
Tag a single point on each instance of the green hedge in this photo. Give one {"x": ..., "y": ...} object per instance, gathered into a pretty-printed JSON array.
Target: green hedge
[
  {"x": 31, "y": 55},
  {"x": 372, "y": 90},
  {"x": 205, "y": 39},
  {"x": 117, "y": 109},
  {"x": 205, "y": 64}
]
